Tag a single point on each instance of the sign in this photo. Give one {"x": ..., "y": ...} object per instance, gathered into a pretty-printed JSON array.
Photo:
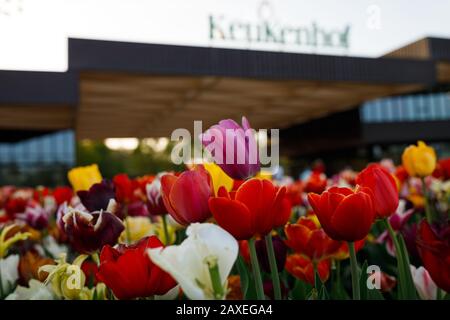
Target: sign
[{"x": 267, "y": 30}]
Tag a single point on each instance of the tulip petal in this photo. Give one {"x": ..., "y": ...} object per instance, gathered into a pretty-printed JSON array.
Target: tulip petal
[
  {"x": 234, "y": 217},
  {"x": 353, "y": 217}
]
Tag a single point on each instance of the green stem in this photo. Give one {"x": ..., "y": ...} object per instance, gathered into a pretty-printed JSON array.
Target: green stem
[
  {"x": 96, "y": 258},
  {"x": 166, "y": 230},
  {"x": 400, "y": 262},
  {"x": 338, "y": 272},
  {"x": 256, "y": 270},
  {"x": 215, "y": 277},
  {"x": 426, "y": 203},
  {"x": 273, "y": 267},
  {"x": 355, "y": 273}
]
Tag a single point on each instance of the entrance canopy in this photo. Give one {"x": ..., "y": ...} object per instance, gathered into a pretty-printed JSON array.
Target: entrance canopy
[{"x": 117, "y": 89}]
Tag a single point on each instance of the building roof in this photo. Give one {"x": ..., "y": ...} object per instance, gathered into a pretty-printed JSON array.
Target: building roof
[{"x": 117, "y": 89}]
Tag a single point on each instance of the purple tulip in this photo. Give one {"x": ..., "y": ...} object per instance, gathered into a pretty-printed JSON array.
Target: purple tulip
[
  {"x": 98, "y": 196},
  {"x": 35, "y": 215},
  {"x": 233, "y": 148}
]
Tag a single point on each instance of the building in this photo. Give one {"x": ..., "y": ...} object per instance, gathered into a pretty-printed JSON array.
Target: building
[{"x": 323, "y": 104}]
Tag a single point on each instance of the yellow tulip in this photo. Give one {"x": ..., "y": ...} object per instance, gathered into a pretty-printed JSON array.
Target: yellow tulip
[
  {"x": 136, "y": 228},
  {"x": 420, "y": 160},
  {"x": 67, "y": 279},
  {"x": 263, "y": 174},
  {"x": 82, "y": 178},
  {"x": 218, "y": 177}
]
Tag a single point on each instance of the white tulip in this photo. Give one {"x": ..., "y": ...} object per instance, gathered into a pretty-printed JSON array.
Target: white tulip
[
  {"x": 8, "y": 274},
  {"x": 425, "y": 286},
  {"x": 36, "y": 291},
  {"x": 189, "y": 263}
]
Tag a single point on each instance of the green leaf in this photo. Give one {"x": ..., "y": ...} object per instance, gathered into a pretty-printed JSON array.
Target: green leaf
[
  {"x": 244, "y": 274},
  {"x": 323, "y": 294},
  {"x": 300, "y": 290},
  {"x": 409, "y": 287}
]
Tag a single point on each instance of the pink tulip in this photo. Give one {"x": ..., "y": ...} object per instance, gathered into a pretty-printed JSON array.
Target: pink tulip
[{"x": 425, "y": 286}]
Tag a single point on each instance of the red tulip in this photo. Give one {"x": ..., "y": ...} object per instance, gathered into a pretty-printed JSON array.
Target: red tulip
[
  {"x": 442, "y": 170},
  {"x": 125, "y": 188},
  {"x": 434, "y": 249},
  {"x": 129, "y": 272},
  {"x": 384, "y": 189},
  {"x": 317, "y": 182},
  {"x": 254, "y": 209},
  {"x": 62, "y": 194},
  {"x": 302, "y": 268},
  {"x": 186, "y": 197},
  {"x": 304, "y": 237},
  {"x": 344, "y": 214}
]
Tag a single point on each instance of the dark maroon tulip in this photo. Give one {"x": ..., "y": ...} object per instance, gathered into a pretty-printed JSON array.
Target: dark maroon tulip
[
  {"x": 280, "y": 249},
  {"x": 89, "y": 232},
  {"x": 98, "y": 196},
  {"x": 433, "y": 243}
]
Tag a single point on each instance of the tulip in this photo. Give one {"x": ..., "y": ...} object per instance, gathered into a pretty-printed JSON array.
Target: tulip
[
  {"x": 89, "y": 232},
  {"x": 384, "y": 189},
  {"x": 317, "y": 183},
  {"x": 302, "y": 268},
  {"x": 304, "y": 237},
  {"x": 67, "y": 279},
  {"x": 136, "y": 228},
  {"x": 7, "y": 240},
  {"x": 155, "y": 202},
  {"x": 35, "y": 216},
  {"x": 434, "y": 249},
  {"x": 234, "y": 288},
  {"x": 387, "y": 282},
  {"x": 398, "y": 222},
  {"x": 425, "y": 286},
  {"x": 343, "y": 253},
  {"x": 420, "y": 160},
  {"x": 98, "y": 197},
  {"x": 239, "y": 160},
  {"x": 202, "y": 262},
  {"x": 82, "y": 178},
  {"x": 124, "y": 188},
  {"x": 218, "y": 177},
  {"x": 130, "y": 274},
  {"x": 344, "y": 214},
  {"x": 35, "y": 290},
  {"x": 442, "y": 170},
  {"x": 186, "y": 197},
  {"x": 62, "y": 194},
  {"x": 280, "y": 250},
  {"x": 254, "y": 209},
  {"x": 29, "y": 265},
  {"x": 8, "y": 274}
]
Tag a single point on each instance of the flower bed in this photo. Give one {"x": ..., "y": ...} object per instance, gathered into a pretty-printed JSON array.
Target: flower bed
[{"x": 225, "y": 232}]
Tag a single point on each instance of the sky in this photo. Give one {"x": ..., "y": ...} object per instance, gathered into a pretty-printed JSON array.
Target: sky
[{"x": 34, "y": 33}]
